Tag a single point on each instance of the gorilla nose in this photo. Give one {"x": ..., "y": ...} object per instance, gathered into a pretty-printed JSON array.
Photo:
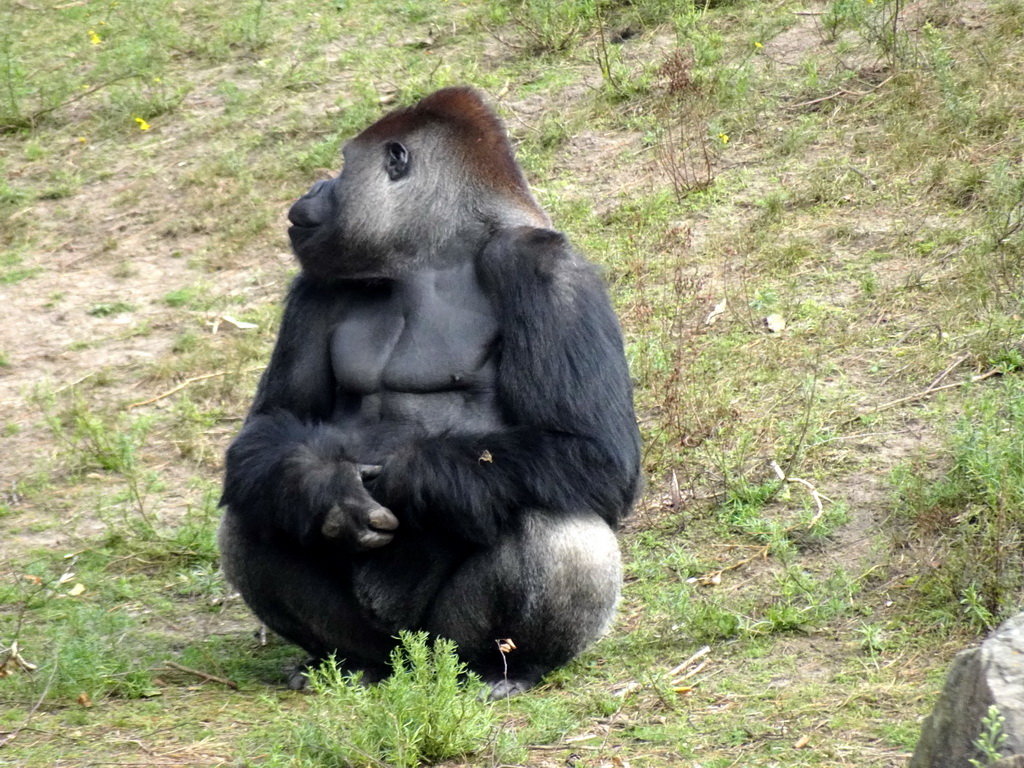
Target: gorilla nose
[
  {"x": 299, "y": 215},
  {"x": 308, "y": 210}
]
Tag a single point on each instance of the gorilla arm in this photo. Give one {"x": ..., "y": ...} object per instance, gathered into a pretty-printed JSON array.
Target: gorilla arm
[
  {"x": 563, "y": 386},
  {"x": 287, "y": 471}
]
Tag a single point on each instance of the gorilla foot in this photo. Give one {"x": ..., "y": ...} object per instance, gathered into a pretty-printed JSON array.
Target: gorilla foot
[
  {"x": 297, "y": 677},
  {"x": 508, "y": 687}
]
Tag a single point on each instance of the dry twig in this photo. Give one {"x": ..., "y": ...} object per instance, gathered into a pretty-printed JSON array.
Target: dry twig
[
  {"x": 186, "y": 383},
  {"x": 204, "y": 675},
  {"x": 840, "y": 92},
  {"x": 930, "y": 391}
]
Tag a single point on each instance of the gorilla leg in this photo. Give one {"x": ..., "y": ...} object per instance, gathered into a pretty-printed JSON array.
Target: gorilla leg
[
  {"x": 551, "y": 587},
  {"x": 304, "y": 596}
]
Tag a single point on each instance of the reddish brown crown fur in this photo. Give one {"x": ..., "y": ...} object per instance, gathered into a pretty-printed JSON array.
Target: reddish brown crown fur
[{"x": 479, "y": 133}]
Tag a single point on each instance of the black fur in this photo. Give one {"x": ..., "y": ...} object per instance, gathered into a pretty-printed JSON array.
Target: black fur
[{"x": 445, "y": 435}]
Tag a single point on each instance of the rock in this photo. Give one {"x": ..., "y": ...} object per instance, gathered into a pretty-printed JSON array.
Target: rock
[{"x": 978, "y": 678}]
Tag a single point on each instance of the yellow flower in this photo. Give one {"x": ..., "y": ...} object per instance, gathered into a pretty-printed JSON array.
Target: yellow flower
[
  {"x": 81, "y": 139},
  {"x": 143, "y": 125},
  {"x": 94, "y": 38},
  {"x": 724, "y": 138},
  {"x": 758, "y": 45},
  {"x": 156, "y": 80}
]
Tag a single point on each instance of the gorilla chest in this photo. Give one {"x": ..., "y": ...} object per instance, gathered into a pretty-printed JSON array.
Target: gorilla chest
[{"x": 431, "y": 333}]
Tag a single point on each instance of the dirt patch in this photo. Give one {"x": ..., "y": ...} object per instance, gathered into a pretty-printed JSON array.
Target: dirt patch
[
  {"x": 792, "y": 46},
  {"x": 867, "y": 491}
]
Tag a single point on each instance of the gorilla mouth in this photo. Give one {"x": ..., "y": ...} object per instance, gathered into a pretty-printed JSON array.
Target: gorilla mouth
[{"x": 299, "y": 222}]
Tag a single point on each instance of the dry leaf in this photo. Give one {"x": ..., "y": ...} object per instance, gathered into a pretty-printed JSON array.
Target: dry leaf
[
  {"x": 506, "y": 645},
  {"x": 241, "y": 325},
  {"x": 76, "y": 590},
  {"x": 486, "y": 457},
  {"x": 775, "y": 323},
  {"x": 717, "y": 312},
  {"x": 84, "y": 700},
  {"x": 802, "y": 742}
]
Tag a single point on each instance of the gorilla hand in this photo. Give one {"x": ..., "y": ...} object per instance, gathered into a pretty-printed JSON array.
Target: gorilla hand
[{"x": 355, "y": 517}]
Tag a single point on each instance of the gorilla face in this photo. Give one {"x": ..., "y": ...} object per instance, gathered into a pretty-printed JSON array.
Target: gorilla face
[
  {"x": 387, "y": 210},
  {"x": 332, "y": 233}
]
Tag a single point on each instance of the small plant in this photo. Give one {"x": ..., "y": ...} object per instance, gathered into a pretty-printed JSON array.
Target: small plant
[
  {"x": 975, "y": 611},
  {"x": 842, "y": 15},
  {"x": 429, "y": 710},
  {"x": 872, "y": 638},
  {"x": 991, "y": 738},
  {"x": 685, "y": 150}
]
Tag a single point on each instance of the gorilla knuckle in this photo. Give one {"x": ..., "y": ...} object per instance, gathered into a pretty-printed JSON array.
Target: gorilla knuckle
[{"x": 382, "y": 519}]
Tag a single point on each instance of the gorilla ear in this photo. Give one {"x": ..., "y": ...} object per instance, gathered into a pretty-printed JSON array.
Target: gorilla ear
[{"x": 397, "y": 163}]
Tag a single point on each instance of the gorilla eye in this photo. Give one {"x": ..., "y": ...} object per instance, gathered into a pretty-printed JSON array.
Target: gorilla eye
[{"x": 397, "y": 164}]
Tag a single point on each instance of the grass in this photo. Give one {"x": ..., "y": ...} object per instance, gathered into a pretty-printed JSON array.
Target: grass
[{"x": 832, "y": 507}]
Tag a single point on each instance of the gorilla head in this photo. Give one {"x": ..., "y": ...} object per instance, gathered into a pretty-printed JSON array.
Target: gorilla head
[{"x": 424, "y": 185}]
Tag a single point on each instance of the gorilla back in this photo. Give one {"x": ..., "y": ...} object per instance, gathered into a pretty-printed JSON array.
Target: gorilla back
[{"x": 444, "y": 438}]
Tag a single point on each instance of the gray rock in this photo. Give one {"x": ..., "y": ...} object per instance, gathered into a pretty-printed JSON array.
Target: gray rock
[{"x": 979, "y": 677}]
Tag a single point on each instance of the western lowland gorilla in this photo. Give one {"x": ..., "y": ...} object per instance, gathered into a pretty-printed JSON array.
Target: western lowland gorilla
[{"x": 444, "y": 439}]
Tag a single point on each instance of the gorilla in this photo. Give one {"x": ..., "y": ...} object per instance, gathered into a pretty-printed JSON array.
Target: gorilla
[{"x": 444, "y": 439}]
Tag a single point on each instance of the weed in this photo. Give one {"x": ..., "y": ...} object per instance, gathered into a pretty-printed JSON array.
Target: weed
[
  {"x": 685, "y": 151},
  {"x": 428, "y": 710},
  {"x": 11, "y": 269},
  {"x": 872, "y": 638},
  {"x": 991, "y": 738}
]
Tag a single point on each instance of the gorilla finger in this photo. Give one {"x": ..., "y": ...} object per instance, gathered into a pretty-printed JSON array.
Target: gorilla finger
[
  {"x": 334, "y": 523},
  {"x": 373, "y": 539},
  {"x": 382, "y": 519},
  {"x": 369, "y": 471}
]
